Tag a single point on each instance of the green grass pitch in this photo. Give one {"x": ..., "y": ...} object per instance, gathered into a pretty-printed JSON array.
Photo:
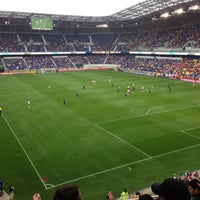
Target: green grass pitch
[{"x": 101, "y": 139}]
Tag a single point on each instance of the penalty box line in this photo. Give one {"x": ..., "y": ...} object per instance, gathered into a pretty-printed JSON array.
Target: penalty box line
[{"x": 190, "y": 129}]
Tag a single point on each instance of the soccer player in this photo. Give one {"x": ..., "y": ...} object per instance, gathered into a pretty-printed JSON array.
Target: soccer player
[
  {"x": 150, "y": 90},
  {"x": 29, "y": 103},
  {"x": 169, "y": 88},
  {"x": 133, "y": 86},
  {"x": 94, "y": 82},
  {"x": 64, "y": 101}
]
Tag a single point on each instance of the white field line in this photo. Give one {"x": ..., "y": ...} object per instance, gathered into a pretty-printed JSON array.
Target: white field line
[
  {"x": 23, "y": 149},
  {"x": 148, "y": 113},
  {"x": 182, "y": 108},
  {"x": 185, "y": 132}
]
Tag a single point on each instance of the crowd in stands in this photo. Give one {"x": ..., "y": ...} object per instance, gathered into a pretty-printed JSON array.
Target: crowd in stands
[
  {"x": 39, "y": 62},
  {"x": 181, "y": 38},
  {"x": 168, "y": 67},
  {"x": 177, "y": 37}
]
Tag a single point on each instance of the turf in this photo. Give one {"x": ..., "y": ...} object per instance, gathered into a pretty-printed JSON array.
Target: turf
[{"x": 101, "y": 139}]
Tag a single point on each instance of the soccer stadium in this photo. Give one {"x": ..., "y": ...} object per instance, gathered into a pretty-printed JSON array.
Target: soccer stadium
[{"x": 106, "y": 103}]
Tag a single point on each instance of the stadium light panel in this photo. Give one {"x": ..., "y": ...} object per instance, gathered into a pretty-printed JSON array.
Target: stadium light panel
[
  {"x": 102, "y": 26},
  {"x": 164, "y": 15},
  {"x": 195, "y": 7},
  {"x": 178, "y": 11}
]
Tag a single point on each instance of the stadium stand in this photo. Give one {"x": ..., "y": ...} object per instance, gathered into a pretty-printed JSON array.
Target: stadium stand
[{"x": 182, "y": 39}]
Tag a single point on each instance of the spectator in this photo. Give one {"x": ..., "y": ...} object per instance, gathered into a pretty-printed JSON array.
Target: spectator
[
  {"x": 194, "y": 189},
  {"x": 68, "y": 192},
  {"x": 171, "y": 189},
  {"x": 11, "y": 191},
  {"x": 36, "y": 196},
  {"x": 124, "y": 195},
  {"x": 174, "y": 176},
  {"x": 1, "y": 187},
  {"x": 109, "y": 196},
  {"x": 136, "y": 195},
  {"x": 145, "y": 197}
]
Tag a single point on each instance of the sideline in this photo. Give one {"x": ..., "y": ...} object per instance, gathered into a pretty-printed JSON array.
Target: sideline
[{"x": 23, "y": 149}]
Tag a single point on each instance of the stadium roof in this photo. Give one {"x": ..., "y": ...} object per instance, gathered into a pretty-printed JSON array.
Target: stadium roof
[
  {"x": 145, "y": 10},
  {"x": 151, "y": 6}
]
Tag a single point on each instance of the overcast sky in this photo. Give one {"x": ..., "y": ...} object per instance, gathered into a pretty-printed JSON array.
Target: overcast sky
[{"x": 68, "y": 7}]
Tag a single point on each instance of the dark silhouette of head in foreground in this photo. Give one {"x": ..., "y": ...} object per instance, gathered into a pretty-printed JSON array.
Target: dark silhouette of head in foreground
[
  {"x": 171, "y": 189},
  {"x": 68, "y": 192}
]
